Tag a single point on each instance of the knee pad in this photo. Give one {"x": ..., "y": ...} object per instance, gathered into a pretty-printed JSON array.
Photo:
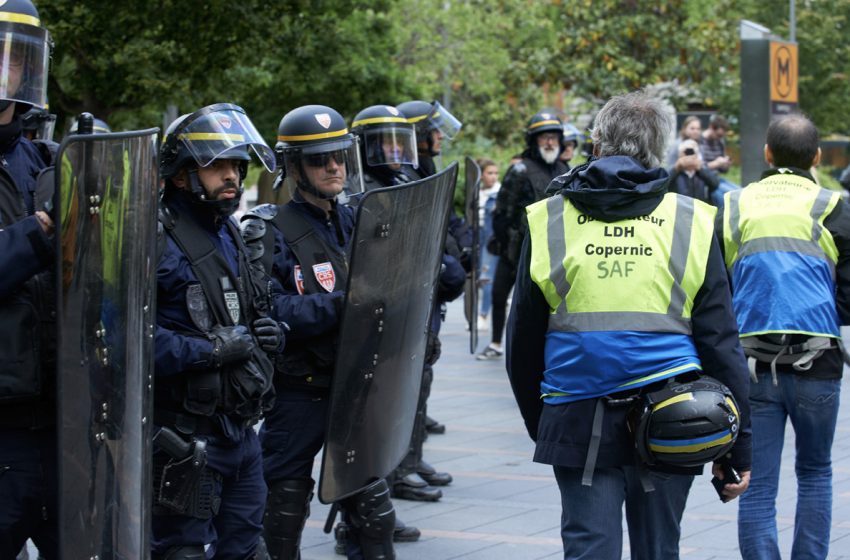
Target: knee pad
[
  {"x": 182, "y": 553},
  {"x": 287, "y": 510},
  {"x": 372, "y": 519}
]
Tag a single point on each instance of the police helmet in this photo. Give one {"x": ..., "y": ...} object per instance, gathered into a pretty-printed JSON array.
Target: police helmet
[
  {"x": 543, "y": 121},
  {"x": 220, "y": 131},
  {"x": 24, "y": 55},
  {"x": 386, "y": 136},
  {"x": 99, "y": 126},
  {"x": 428, "y": 117},
  {"x": 317, "y": 153},
  {"x": 687, "y": 424},
  {"x": 571, "y": 134},
  {"x": 39, "y": 122}
]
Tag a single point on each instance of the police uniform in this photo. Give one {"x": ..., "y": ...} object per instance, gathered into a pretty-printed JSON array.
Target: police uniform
[
  {"x": 28, "y": 461},
  {"x": 578, "y": 338},
  {"x": 206, "y": 402},
  {"x": 304, "y": 246}
]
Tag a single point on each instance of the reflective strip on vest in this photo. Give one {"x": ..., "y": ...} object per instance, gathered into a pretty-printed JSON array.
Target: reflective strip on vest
[
  {"x": 595, "y": 247},
  {"x": 777, "y": 249}
]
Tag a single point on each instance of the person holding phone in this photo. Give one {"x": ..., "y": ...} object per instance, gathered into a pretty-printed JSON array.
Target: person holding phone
[{"x": 690, "y": 176}]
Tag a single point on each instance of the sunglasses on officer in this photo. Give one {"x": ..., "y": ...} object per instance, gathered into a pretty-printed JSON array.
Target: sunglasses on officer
[{"x": 322, "y": 160}]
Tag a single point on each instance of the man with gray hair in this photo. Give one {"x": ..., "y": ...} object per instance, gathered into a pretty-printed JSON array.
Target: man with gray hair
[{"x": 622, "y": 349}]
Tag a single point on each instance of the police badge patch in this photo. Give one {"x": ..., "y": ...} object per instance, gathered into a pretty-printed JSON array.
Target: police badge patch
[
  {"x": 199, "y": 311},
  {"x": 299, "y": 280},
  {"x": 231, "y": 299},
  {"x": 324, "y": 273}
]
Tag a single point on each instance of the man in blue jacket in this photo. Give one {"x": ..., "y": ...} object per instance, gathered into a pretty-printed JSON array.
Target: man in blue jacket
[
  {"x": 578, "y": 338},
  {"x": 213, "y": 374},
  {"x": 28, "y": 462}
]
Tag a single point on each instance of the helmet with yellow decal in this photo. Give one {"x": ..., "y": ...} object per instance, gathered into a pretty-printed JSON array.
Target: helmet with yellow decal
[
  {"x": 24, "y": 55},
  {"x": 386, "y": 136},
  {"x": 687, "y": 424},
  {"x": 317, "y": 153},
  {"x": 428, "y": 118},
  {"x": 220, "y": 131}
]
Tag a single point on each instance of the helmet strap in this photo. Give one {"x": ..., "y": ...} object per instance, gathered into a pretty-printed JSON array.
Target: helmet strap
[{"x": 223, "y": 208}]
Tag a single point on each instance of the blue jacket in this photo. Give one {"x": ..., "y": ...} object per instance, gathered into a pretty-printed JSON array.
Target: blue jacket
[{"x": 609, "y": 189}]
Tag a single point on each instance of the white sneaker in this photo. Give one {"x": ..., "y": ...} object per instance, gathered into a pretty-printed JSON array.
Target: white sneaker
[
  {"x": 483, "y": 323},
  {"x": 489, "y": 353}
]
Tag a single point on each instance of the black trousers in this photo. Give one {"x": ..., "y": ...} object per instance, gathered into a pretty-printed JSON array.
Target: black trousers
[{"x": 503, "y": 281}]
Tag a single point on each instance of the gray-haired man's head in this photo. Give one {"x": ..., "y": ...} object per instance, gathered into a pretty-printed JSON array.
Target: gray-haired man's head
[{"x": 637, "y": 125}]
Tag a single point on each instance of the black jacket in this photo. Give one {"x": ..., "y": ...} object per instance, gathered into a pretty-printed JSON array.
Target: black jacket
[{"x": 610, "y": 189}]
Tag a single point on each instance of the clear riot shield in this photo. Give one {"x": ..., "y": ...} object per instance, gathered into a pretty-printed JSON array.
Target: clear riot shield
[
  {"x": 470, "y": 288},
  {"x": 395, "y": 262},
  {"x": 105, "y": 202}
]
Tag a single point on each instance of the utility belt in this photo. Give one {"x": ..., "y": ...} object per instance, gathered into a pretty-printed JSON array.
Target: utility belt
[
  {"x": 304, "y": 368},
  {"x": 193, "y": 424},
  {"x": 776, "y": 350}
]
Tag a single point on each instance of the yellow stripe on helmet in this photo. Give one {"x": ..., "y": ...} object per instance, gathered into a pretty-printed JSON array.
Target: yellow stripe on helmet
[
  {"x": 690, "y": 448},
  {"x": 541, "y": 123},
  {"x": 731, "y": 404},
  {"x": 376, "y": 120},
  {"x": 209, "y": 136},
  {"x": 673, "y": 400},
  {"x": 305, "y": 137},
  {"x": 13, "y": 17},
  {"x": 413, "y": 120}
]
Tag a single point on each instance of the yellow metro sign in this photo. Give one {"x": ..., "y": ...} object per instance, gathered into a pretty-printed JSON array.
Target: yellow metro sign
[{"x": 783, "y": 72}]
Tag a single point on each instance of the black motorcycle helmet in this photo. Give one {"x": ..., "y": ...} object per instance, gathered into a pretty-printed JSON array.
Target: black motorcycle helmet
[
  {"x": 24, "y": 56},
  {"x": 313, "y": 136},
  {"x": 386, "y": 137},
  {"x": 687, "y": 424},
  {"x": 220, "y": 131},
  {"x": 543, "y": 121},
  {"x": 428, "y": 117}
]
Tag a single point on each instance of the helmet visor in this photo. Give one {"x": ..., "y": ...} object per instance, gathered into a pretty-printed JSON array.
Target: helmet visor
[
  {"x": 220, "y": 134},
  {"x": 327, "y": 169},
  {"x": 444, "y": 121},
  {"x": 24, "y": 56},
  {"x": 390, "y": 144}
]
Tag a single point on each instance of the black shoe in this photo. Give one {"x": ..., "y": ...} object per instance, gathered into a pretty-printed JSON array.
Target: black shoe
[
  {"x": 340, "y": 534},
  {"x": 412, "y": 487},
  {"x": 404, "y": 533},
  {"x": 434, "y": 427},
  {"x": 430, "y": 475}
]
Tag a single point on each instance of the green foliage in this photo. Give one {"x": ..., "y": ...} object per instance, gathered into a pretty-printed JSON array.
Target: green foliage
[{"x": 495, "y": 62}]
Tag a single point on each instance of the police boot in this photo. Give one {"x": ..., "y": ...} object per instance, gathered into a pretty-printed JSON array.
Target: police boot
[
  {"x": 401, "y": 533},
  {"x": 413, "y": 487},
  {"x": 434, "y": 427},
  {"x": 182, "y": 553},
  {"x": 371, "y": 522},
  {"x": 287, "y": 510},
  {"x": 430, "y": 475}
]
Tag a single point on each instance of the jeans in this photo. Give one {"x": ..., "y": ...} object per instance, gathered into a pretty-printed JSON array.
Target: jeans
[
  {"x": 591, "y": 519},
  {"x": 812, "y": 406},
  {"x": 488, "y": 270}
]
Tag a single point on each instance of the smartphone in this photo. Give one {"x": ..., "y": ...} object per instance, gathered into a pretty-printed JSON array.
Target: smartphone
[
  {"x": 730, "y": 476},
  {"x": 689, "y": 151}
]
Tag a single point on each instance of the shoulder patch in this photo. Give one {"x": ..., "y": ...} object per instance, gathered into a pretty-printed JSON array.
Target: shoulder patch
[{"x": 519, "y": 167}]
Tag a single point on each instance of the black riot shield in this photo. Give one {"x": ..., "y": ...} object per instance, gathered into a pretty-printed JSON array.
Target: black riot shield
[
  {"x": 470, "y": 288},
  {"x": 105, "y": 202},
  {"x": 395, "y": 262}
]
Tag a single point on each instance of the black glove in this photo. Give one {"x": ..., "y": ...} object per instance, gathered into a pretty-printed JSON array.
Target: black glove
[
  {"x": 269, "y": 334},
  {"x": 231, "y": 345}
]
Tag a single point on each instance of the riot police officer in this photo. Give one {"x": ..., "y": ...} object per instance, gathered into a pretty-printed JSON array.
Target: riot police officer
[
  {"x": 304, "y": 245},
  {"x": 213, "y": 376},
  {"x": 524, "y": 183},
  {"x": 388, "y": 142},
  {"x": 28, "y": 479},
  {"x": 416, "y": 479}
]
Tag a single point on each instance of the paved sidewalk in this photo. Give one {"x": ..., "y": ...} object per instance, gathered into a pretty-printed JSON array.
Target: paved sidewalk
[{"x": 501, "y": 506}]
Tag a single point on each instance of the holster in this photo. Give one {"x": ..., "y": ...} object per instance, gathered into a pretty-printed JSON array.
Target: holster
[{"x": 182, "y": 483}]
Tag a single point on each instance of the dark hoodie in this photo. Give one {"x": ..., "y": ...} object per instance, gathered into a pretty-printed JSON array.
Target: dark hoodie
[{"x": 611, "y": 189}]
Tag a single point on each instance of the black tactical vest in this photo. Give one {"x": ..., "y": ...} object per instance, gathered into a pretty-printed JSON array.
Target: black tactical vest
[{"x": 220, "y": 299}]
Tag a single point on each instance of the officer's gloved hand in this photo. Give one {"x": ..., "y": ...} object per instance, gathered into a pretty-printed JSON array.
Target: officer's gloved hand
[
  {"x": 269, "y": 334},
  {"x": 231, "y": 345}
]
